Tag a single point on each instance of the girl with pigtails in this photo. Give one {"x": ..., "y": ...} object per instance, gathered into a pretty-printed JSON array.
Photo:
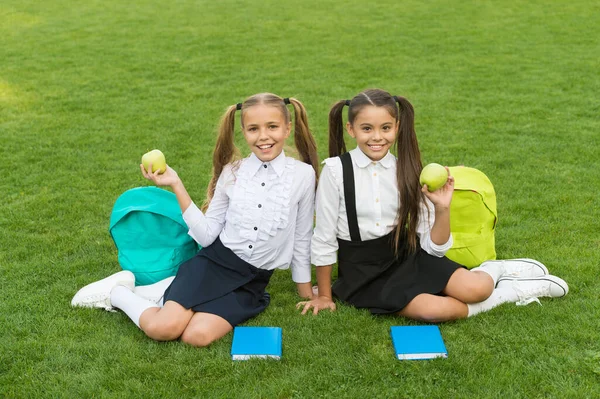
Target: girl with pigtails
[
  {"x": 389, "y": 235},
  {"x": 257, "y": 217}
]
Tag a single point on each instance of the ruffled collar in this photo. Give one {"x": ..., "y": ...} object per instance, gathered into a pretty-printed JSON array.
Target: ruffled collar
[{"x": 253, "y": 164}]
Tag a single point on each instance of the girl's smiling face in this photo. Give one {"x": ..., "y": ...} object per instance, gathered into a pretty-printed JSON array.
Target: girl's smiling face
[
  {"x": 374, "y": 130},
  {"x": 265, "y": 130}
]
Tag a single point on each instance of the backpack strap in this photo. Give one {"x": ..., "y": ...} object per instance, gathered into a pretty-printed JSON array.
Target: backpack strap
[{"x": 350, "y": 197}]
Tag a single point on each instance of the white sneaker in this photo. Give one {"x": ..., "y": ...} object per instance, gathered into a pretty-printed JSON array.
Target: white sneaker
[
  {"x": 530, "y": 289},
  {"x": 521, "y": 268},
  {"x": 97, "y": 295}
]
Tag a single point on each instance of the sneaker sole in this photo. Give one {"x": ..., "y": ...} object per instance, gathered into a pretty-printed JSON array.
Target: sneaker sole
[{"x": 556, "y": 280}]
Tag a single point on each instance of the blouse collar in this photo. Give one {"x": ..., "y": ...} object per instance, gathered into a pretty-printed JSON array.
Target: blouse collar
[
  {"x": 363, "y": 161},
  {"x": 253, "y": 164}
]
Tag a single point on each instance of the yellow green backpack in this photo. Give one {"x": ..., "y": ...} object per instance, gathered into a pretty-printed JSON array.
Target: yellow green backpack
[{"x": 473, "y": 217}]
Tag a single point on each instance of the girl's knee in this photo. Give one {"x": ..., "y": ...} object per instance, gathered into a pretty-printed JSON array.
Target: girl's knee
[
  {"x": 198, "y": 336},
  {"x": 161, "y": 330},
  {"x": 477, "y": 291},
  {"x": 470, "y": 287}
]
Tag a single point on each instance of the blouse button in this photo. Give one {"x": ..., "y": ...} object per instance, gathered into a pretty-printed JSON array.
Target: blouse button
[
  {"x": 376, "y": 224},
  {"x": 265, "y": 166},
  {"x": 374, "y": 174},
  {"x": 250, "y": 246},
  {"x": 255, "y": 228},
  {"x": 259, "y": 205},
  {"x": 376, "y": 199},
  {"x": 262, "y": 184}
]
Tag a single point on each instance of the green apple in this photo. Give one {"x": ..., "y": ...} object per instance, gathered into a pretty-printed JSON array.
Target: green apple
[
  {"x": 157, "y": 159},
  {"x": 434, "y": 175}
]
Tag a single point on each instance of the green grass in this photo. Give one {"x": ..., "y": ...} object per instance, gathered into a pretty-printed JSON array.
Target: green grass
[{"x": 87, "y": 87}]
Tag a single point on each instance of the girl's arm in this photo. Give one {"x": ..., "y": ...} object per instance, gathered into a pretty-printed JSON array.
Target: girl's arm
[
  {"x": 303, "y": 234},
  {"x": 204, "y": 229},
  {"x": 324, "y": 241},
  {"x": 439, "y": 239}
]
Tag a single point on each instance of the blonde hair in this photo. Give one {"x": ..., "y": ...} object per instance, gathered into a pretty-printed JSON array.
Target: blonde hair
[{"x": 226, "y": 152}]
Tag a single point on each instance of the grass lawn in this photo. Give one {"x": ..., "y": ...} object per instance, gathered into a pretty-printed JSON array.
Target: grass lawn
[{"x": 87, "y": 87}]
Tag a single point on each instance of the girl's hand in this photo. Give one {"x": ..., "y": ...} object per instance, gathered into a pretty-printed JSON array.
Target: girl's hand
[
  {"x": 442, "y": 197},
  {"x": 168, "y": 178},
  {"x": 317, "y": 304}
]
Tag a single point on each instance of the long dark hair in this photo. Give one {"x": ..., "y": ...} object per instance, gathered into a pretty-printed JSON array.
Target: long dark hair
[{"x": 409, "y": 157}]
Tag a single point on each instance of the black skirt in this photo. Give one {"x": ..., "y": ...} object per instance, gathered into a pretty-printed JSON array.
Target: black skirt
[
  {"x": 217, "y": 281},
  {"x": 370, "y": 273},
  {"x": 371, "y": 276}
]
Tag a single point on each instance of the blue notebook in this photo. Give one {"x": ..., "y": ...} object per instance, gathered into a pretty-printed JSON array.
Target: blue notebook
[
  {"x": 256, "y": 342},
  {"x": 418, "y": 342}
]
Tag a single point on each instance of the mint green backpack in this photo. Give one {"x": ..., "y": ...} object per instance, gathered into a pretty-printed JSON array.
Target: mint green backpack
[
  {"x": 150, "y": 234},
  {"x": 473, "y": 217}
]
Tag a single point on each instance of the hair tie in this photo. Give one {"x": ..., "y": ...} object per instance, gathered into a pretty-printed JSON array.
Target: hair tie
[
  {"x": 238, "y": 106},
  {"x": 286, "y": 101},
  {"x": 396, "y": 99},
  {"x": 347, "y": 103}
]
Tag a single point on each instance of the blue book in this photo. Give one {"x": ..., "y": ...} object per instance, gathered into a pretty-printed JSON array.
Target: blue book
[
  {"x": 256, "y": 342},
  {"x": 418, "y": 342}
]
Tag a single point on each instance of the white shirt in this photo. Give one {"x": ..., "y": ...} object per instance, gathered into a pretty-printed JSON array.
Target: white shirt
[
  {"x": 263, "y": 212},
  {"x": 376, "y": 207}
]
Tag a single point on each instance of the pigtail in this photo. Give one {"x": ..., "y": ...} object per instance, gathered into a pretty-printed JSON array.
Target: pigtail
[
  {"x": 337, "y": 145},
  {"x": 408, "y": 169},
  {"x": 303, "y": 138},
  {"x": 225, "y": 152}
]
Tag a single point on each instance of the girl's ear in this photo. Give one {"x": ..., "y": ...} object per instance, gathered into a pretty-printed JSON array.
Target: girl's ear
[
  {"x": 350, "y": 130},
  {"x": 289, "y": 129}
]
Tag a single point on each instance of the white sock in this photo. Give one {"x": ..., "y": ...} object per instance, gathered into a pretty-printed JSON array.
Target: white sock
[
  {"x": 154, "y": 292},
  {"x": 133, "y": 305},
  {"x": 493, "y": 268},
  {"x": 498, "y": 297}
]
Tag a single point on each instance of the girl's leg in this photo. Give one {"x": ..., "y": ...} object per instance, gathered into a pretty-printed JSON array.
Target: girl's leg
[
  {"x": 476, "y": 288},
  {"x": 433, "y": 308},
  {"x": 166, "y": 323},
  {"x": 470, "y": 286},
  {"x": 205, "y": 328},
  {"x": 464, "y": 286},
  {"x": 162, "y": 324}
]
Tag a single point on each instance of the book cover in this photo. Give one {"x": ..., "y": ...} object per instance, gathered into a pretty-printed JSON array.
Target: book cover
[
  {"x": 418, "y": 342},
  {"x": 256, "y": 342}
]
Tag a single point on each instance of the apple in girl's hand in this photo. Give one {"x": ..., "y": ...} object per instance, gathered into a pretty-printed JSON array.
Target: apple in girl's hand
[
  {"x": 157, "y": 159},
  {"x": 434, "y": 175}
]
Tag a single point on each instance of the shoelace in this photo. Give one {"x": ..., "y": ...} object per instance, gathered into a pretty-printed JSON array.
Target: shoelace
[{"x": 526, "y": 296}]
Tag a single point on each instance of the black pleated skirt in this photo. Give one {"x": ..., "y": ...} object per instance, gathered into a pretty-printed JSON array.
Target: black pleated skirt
[
  {"x": 371, "y": 276},
  {"x": 217, "y": 281}
]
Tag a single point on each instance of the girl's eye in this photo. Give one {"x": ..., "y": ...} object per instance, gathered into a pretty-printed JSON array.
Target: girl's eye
[
  {"x": 366, "y": 129},
  {"x": 272, "y": 127}
]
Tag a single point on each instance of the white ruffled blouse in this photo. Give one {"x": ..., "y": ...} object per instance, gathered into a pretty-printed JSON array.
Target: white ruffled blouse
[{"x": 263, "y": 212}]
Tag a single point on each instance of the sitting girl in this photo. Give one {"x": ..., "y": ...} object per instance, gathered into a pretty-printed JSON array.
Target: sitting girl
[
  {"x": 390, "y": 235},
  {"x": 258, "y": 217}
]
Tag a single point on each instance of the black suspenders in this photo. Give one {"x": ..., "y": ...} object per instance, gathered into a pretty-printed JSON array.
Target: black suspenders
[{"x": 350, "y": 196}]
